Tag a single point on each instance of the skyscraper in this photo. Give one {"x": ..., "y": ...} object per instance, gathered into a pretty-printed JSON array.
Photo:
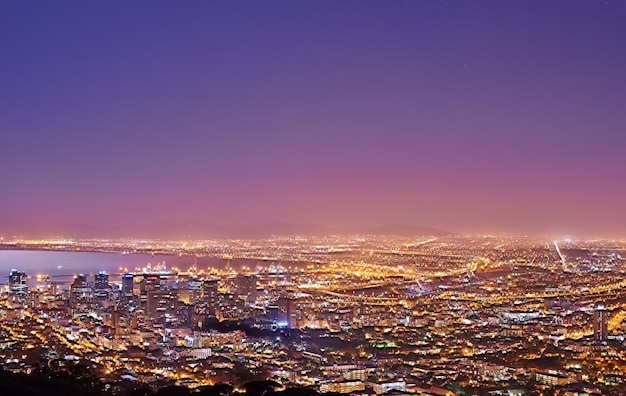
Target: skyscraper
[
  {"x": 101, "y": 288},
  {"x": 210, "y": 295},
  {"x": 600, "y": 323},
  {"x": 150, "y": 282},
  {"x": 162, "y": 305},
  {"x": 79, "y": 291},
  {"x": 18, "y": 282},
  {"x": 290, "y": 314},
  {"x": 246, "y": 287},
  {"x": 128, "y": 281},
  {"x": 193, "y": 293}
]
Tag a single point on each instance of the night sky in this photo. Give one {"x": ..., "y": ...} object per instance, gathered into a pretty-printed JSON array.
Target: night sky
[{"x": 470, "y": 116}]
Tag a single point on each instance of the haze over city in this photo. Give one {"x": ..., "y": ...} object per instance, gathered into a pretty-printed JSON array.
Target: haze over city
[{"x": 491, "y": 117}]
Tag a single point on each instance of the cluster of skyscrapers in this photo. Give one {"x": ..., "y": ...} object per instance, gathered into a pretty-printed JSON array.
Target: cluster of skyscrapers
[{"x": 162, "y": 298}]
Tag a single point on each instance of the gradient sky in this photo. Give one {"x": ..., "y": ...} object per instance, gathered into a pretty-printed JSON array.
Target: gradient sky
[{"x": 468, "y": 116}]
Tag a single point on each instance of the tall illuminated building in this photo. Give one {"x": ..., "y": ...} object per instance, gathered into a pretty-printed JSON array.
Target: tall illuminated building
[
  {"x": 290, "y": 314},
  {"x": 246, "y": 287},
  {"x": 128, "y": 281},
  {"x": 210, "y": 295},
  {"x": 101, "y": 287},
  {"x": 149, "y": 283},
  {"x": 600, "y": 323},
  {"x": 18, "y": 283},
  {"x": 194, "y": 287},
  {"x": 79, "y": 291},
  {"x": 162, "y": 305}
]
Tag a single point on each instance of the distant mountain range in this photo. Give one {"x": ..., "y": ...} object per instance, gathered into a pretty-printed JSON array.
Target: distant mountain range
[{"x": 181, "y": 230}]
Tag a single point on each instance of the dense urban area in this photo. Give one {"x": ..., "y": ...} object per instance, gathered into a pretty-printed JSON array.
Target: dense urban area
[{"x": 361, "y": 315}]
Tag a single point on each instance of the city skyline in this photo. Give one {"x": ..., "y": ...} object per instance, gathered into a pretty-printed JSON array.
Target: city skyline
[
  {"x": 481, "y": 117},
  {"x": 355, "y": 315}
]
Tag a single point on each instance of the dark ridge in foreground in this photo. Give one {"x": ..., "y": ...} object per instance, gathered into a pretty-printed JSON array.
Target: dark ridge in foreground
[{"x": 61, "y": 383}]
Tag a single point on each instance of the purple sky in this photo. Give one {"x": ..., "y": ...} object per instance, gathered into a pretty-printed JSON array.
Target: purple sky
[{"x": 468, "y": 116}]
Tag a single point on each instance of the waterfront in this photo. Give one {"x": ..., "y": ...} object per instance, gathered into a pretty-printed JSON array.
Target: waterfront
[{"x": 63, "y": 265}]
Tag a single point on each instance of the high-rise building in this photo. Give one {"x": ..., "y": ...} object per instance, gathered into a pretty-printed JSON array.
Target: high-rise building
[
  {"x": 79, "y": 291},
  {"x": 161, "y": 304},
  {"x": 290, "y": 313},
  {"x": 128, "y": 281},
  {"x": 246, "y": 287},
  {"x": 138, "y": 319},
  {"x": 600, "y": 323},
  {"x": 210, "y": 295},
  {"x": 150, "y": 282},
  {"x": 101, "y": 287},
  {"x": 18, "y": 283},
  {"x": 195, "y": 290},
  {"x": 35, "y": 298}
]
